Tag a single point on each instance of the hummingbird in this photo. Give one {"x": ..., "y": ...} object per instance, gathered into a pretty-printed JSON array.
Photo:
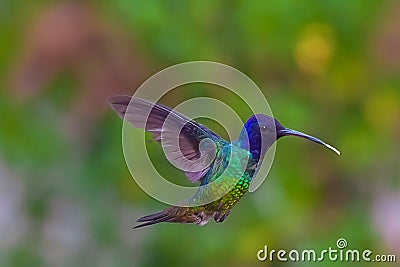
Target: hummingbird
[{"x": 211, "y": 158}]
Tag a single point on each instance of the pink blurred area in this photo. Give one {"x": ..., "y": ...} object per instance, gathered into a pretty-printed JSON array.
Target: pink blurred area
[{"x": 74, "y": 37}]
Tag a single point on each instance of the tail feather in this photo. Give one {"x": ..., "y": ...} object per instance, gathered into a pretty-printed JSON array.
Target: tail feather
[
  {"x": 172, "y": 214},
  {"x": 151, "y": 222},
  {"x": 153, "y": 216}
]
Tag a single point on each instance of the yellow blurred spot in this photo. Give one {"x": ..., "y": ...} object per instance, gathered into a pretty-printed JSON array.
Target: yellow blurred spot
[
  {"x": 382, "y": 110},
  {"x": 314, "y": 48}
]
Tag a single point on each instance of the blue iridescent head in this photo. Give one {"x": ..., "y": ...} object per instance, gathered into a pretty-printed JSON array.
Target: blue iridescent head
[{"x": 261, "y": 131}]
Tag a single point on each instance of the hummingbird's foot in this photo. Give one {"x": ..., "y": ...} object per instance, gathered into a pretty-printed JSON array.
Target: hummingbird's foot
[{"x": 219, "y": 217}]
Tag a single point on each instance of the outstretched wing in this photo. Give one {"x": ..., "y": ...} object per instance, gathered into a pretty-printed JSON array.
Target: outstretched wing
[{"x": 182, "y": 137}]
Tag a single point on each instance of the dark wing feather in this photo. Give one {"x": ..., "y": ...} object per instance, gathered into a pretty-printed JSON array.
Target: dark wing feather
[{"x": 180, "y": 135}]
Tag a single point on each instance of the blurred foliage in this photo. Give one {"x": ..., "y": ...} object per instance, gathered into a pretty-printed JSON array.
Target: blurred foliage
[{"x": 327, "y": 68}]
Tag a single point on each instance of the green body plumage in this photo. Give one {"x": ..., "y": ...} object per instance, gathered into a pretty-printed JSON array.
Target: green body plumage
[{"x": 230, "y": 176}]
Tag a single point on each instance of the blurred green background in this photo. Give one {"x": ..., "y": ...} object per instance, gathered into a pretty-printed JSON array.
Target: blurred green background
[{"x": 330, "y": 68}]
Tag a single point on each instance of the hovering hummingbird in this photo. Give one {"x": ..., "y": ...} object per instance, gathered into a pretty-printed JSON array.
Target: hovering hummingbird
[{"x": 233, "y": 164}]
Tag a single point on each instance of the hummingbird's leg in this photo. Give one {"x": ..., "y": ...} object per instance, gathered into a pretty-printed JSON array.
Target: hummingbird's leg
[{"x": 219, "y": 217}]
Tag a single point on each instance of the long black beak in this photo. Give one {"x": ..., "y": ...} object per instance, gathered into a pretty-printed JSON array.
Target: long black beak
[{"x": 306, "y": 136}]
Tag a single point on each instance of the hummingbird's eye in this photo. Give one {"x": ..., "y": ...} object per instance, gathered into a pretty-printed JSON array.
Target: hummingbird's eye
[{"x": 264, "y": 128}]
